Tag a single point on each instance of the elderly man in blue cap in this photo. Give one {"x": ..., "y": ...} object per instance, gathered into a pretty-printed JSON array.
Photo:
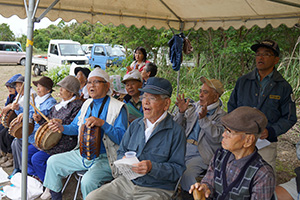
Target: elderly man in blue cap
[{"x": 159, "y": 144}]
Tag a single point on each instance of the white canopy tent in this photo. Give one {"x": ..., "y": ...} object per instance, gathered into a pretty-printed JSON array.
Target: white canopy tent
[{"x": 177, "y": 14}]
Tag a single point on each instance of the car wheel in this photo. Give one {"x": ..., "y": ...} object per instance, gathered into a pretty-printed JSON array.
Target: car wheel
[
  {"x": 23, "y": 62},
  {"x": 37, "y": 70}
]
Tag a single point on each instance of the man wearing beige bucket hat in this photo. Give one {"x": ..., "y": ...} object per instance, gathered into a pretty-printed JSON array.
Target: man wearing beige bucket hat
[
  {"x": 203, "y": 129},
  {"x": 237, "y": 171}
]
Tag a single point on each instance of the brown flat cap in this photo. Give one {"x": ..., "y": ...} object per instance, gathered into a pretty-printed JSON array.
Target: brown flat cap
[{"x": 245, "y": 119}]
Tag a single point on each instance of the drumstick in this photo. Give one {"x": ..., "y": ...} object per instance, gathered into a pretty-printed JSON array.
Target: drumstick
[
  {"x": 44, "y": 116},
  {"x": 33, "y": 102},
  {"x": 36, "y": 109},
  {"x": 20, "y": 93}
]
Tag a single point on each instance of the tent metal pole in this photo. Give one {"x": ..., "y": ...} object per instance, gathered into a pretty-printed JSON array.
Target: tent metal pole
[{"x": 29, "y": 44}]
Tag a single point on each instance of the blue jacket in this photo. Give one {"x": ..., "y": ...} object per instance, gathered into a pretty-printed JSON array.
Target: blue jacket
[
  {"x": 176, "y": 44},
  {"x": 165, "y": 149},
  {"x": 276, "y": 102}
]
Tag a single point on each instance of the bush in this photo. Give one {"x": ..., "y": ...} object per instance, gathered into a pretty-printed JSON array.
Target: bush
[{"x": 58, "y": 73}]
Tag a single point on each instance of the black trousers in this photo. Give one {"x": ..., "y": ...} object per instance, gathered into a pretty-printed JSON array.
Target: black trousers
[{"x": 5, "y": 140}]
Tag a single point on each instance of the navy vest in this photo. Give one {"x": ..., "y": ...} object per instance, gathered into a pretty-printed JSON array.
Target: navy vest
[{"x": 241, "y": 187}]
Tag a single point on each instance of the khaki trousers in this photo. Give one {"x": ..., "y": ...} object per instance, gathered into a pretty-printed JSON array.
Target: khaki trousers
[
  {"x": 121, "y": 188},
  {"x": 269, "y": 154}
]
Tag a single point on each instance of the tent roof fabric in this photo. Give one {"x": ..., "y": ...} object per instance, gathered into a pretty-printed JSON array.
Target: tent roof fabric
[{"x": 178, "y": 14}]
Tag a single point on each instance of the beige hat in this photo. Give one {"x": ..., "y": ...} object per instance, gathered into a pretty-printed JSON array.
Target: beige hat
[
  {"x": 71, "y": 84},
  {"x": 245, "y": 119},
  {"x": 133, "y": 75},
  {"x": 102, "y": 74},
  {"x": 214, "y": 83}
]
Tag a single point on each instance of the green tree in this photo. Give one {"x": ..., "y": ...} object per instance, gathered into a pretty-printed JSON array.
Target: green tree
[{"x": 5, "y": 33}]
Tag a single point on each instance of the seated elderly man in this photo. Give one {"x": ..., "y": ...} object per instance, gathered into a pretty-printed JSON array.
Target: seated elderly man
[
  {"x": 133, "y": 82},
  {"x": 203, "y": 130},
  {"x": 99, "y": 111},
  {"x": 237, "y": 171},
  {"x": 159, "y": 143}
]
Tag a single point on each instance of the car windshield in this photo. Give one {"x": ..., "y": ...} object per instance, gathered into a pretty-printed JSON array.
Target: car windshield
[
  {"x": 71, "y": 50},
  {"x": 114, "y": 51}
]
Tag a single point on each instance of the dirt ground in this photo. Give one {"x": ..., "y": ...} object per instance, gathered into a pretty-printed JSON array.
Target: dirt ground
[{"x": 285, "y": 164}]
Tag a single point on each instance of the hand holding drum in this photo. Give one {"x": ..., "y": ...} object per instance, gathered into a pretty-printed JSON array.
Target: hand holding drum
[
  {"x": 198, "y": 195},
  {"x": 200, "y": 191}
]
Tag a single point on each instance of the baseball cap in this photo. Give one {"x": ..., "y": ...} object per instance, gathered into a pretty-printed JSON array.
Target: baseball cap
[
  {"x": 270, "y": 44},
  {"x": 155, "y": 85},
  {"x": 214, "y": 83}
]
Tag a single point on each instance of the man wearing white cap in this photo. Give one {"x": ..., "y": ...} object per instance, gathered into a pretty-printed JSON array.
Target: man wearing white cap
[
  {"x": 133, "y": 82},
  {"x": 113, "y": 121},
  {"x": 203, "y": 130}
]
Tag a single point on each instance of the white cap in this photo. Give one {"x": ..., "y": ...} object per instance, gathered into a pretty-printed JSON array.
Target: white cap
[
  {"x": 102, "y": 74},
  {"x": 133, "y": 75}
]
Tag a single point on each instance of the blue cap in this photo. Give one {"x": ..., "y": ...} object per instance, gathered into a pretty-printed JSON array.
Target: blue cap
[
  {"x": 10, "y": 82},
  {"x": 156, "y": 85}
]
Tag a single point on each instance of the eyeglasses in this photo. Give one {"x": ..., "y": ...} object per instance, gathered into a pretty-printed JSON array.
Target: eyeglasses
[
  {"x": 265, "y": 55},
  {"x": 150, "y": 98},
  {"x": 95, "y": 82}
]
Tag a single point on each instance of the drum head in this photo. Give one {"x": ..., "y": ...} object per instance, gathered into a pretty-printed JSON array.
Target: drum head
[
  {"x": 39, "y": 133},
  {"x": 50, "y": 139},
  {"x": 16, "y": 128},
  {"x": 7, "y": 119}
]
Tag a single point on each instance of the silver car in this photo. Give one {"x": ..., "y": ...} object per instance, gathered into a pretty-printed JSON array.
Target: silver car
[{"x": 10, "y": 52}]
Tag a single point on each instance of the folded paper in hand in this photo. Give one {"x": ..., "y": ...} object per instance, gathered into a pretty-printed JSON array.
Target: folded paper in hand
[{"x": 124, "y": 166}]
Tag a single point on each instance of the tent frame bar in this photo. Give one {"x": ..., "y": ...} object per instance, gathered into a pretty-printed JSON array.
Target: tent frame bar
[
  {"x": 45, "y": 12},
  {"x": 286, "y": 3}
]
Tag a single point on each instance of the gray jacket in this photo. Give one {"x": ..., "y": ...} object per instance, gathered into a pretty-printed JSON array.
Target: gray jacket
[{"x": 210, "y": 135}]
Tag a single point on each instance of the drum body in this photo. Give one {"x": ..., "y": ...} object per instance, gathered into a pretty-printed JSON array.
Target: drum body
[
  {"x": 90, "y": 142},
  {"x": 15, "y": 128},
  {"x": 45, "y": 138},
  {"x": 8, "y": 117}
]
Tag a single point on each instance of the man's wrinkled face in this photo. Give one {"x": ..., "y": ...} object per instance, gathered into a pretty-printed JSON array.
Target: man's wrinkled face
[
  {"x": 154, "y": 106},
  {"x": 132, "y": 87},
  {"x": 207, "y": 95},
  {"x": 97, "y": 87}
]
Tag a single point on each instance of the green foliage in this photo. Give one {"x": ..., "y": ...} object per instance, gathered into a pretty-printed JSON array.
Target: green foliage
[
  {"x": 221, "y": 54},
  {"x": 58, "y": 73},
  {"x": 5, "y": 33},
  {"x": 290, "y": 70}
]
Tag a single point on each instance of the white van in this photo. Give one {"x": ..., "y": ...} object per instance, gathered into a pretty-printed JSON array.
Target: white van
[
  {"x": 10, "y": 52},
  {"x": 60, "y": 53}
]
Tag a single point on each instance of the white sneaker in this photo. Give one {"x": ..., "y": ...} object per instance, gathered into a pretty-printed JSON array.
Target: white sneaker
[{"x": 46, "y": 194}]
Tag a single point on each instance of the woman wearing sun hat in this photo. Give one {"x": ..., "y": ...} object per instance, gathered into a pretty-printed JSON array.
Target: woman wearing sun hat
[{"x": 44, "y": 102}]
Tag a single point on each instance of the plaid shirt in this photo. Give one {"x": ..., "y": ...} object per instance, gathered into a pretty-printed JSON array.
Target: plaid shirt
[{"x": 263, "y": 184}]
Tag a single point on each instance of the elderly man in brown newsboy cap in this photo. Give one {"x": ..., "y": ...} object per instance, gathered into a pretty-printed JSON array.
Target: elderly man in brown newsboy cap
[{"x": 237, "y": 171}]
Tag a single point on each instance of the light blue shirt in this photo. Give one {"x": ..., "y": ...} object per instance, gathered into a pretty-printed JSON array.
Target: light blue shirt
[
  {"x": 114, "y": 132},
  {"x": 263, "y": 83}
]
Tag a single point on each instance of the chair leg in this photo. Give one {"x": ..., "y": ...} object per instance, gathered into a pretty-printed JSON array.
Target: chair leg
[
  {"x": 77, "y": 187},
  {"x": 66, "y": 183}
]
